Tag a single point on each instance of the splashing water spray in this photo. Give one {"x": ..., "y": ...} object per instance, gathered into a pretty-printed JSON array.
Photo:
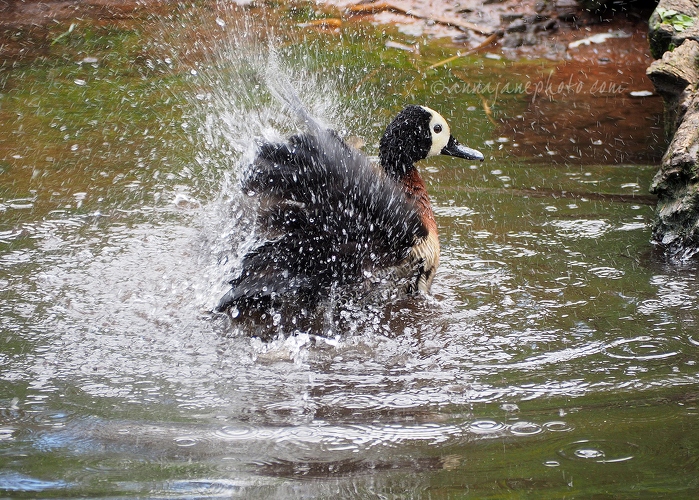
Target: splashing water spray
[{"x": 246, "y": 90}]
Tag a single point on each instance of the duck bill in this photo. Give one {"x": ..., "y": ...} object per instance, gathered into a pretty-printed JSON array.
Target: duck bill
[{"x": 453, "y": 148}]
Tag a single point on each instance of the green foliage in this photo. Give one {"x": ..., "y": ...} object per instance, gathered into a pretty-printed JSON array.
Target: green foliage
[{"x": 678, "y": 20}]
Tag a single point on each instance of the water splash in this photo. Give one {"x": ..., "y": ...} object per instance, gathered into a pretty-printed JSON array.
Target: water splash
[
  {"x": 246, "y": 89},
  {"x": 251, "y": 85}
]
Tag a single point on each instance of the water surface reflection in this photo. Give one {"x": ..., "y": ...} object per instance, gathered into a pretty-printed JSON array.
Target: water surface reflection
[{"x": 555, "y": 349}]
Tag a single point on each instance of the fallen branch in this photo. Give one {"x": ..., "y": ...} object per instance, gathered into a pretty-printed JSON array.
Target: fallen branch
[
  {"x": 486, "y": 108},
  {"x": 485, "y": 43},
  {"x": 376, "y": 7},
  {"x": 329, "y": 22}
]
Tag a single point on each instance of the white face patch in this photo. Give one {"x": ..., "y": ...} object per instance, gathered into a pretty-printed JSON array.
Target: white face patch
[{"x": 439, "y": 130}]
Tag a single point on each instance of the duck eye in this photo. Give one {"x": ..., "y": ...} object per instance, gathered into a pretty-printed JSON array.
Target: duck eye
[{"x": 437, "y": 128}]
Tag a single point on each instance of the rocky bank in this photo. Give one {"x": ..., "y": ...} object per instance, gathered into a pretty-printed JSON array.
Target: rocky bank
[{"x": 674, "y": 41}]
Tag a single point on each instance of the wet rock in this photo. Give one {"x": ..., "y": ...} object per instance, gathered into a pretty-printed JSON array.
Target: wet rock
[
  {"x": 676, "y": 224},
  {"x": 510, "y": 16},
  {"x": 524, "y": 30},
  {"x": 546, "y": 25},
  {"x": 673, "y": 38},
  {"x": 601, "y": 5},
  {"x": 671, "y": 75},
  {"x": 517, "y": 26},
  {"x": 593, "y": 5},
  {"x": 567, "y": 10},
  {"x": 540, "y": 6}
]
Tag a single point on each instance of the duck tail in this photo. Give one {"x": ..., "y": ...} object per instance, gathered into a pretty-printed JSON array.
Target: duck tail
[{"x": 284, "y": 92}]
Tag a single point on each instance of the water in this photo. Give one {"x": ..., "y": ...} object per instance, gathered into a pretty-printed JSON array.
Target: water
[{"x": 556, "y": 358}]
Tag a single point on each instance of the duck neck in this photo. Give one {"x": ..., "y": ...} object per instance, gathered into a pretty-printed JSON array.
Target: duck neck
[
  {"x": 413, "y": 184},
  {"x": 401, "y": 167},
  {"x": 397, "y": 164}
]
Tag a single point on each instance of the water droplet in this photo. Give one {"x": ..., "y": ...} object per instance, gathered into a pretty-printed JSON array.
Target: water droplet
[
  {"x": 640, "y": 348},
  {"x": 525, "y": 428},
  {"x": 558, "y": 425},
  {"x": 588, "y": 453},
  {"x": 185, "y": 442},
  {"x": 20, "y": 203},
  {"x": 601, "y": 451},
  {"x": 607, "y": 272},
  {"x": 6, "y": 433},
  {"x": 235, "y": 433},
  {"x": 485, "y": 426}
]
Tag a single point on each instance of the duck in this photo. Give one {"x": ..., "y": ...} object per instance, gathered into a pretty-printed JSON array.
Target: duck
[{"x": 329, "y": 220}]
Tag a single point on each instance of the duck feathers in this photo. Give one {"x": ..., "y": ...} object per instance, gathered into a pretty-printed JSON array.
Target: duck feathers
[{"x": 327, "y": 218}]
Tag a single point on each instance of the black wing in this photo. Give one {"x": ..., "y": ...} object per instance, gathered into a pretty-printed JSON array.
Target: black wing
[{"x": 329, "y": 219}]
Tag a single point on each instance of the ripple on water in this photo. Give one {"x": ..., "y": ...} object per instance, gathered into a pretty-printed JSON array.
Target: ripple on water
[
  {"x": 9, "y": 235},
  {"x": 7, "y": 433},
  {"x": 485, "y": 427},
  {"x": 640, "y": 348},
  {"x": 398, "y": 401},
  {"x": 632, "y": 226},
  {"x": 607, "y": 272},
  {"x": 673, "y": 292},
  {"x": 454, "y": 211},
  {"x": 345, "y": 437},
  {"x": 525, "y": 428},
  {"x": 185, "y": 441},
  {"x": 234, "y": 433},
  {"x": 21, "y": 203},
  {"x": 580, "y": 228},
  {"x": 599, "y": 451},
  {"x": 367, "y": 435},
  {"x": 558, "y": 426},
  {"x": 666, "y": 301},
  {"x": 319, "y": 440},
  {"x": 202, "y": 488},
  {"x": 13, "y": 481},
  {"x": 357, "y": 402}
]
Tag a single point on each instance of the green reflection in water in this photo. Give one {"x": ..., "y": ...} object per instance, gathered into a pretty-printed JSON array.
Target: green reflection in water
[{"x": 559, "y": 358}]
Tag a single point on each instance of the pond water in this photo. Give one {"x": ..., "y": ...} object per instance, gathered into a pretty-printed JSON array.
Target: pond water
[{"x": 556, "y": 358}]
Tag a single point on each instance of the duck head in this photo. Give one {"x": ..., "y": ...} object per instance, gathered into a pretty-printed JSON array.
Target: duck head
[{"x": 415, "y": 134}]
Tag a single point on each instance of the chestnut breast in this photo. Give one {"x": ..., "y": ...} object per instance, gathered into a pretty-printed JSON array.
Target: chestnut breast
[{"x": 425, "y": 251}]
